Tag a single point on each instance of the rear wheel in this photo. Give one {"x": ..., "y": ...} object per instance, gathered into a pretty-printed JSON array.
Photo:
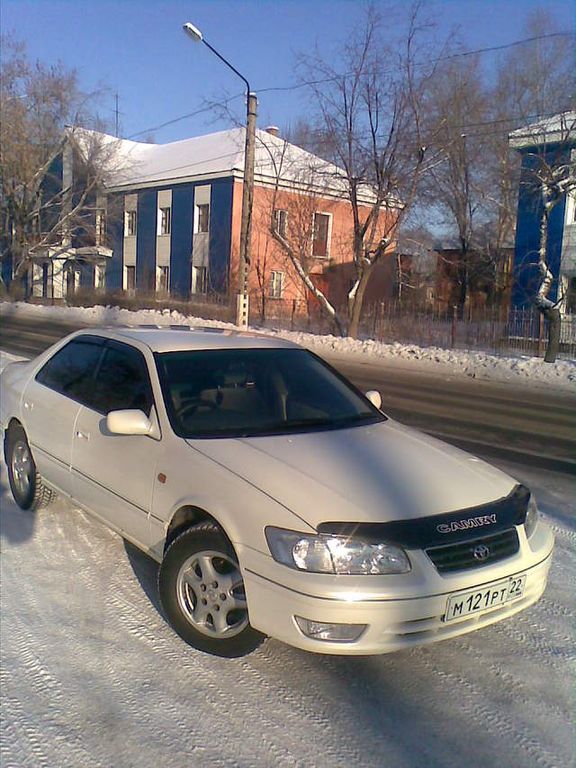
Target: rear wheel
[
  {"x": 202, "y": 592},
  {"x": 27, "y": 487}
]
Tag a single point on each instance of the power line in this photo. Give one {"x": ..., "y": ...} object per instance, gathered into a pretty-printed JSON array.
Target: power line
[{"x": 307, "y": 83}]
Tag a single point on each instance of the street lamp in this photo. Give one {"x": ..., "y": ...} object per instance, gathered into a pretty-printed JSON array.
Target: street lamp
[{"x": 248, "y": 185}]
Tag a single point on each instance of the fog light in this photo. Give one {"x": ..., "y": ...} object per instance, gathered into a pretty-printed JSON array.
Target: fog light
[{"x": 336, "y": 633}]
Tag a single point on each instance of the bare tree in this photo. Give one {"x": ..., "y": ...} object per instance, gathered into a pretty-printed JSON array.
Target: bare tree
[
  {"x": 42, "y": 203},
  {"x": 453, "y": 190},
  {"x": 368, "y": 124},
  {"x": 549, "y": 175}
]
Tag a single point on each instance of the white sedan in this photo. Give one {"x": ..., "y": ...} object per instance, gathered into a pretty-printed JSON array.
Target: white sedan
[{"x": 277, "y": 498}]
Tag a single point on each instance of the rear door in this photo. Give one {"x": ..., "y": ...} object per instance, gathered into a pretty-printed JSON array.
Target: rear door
[
  {"x": 51, "y": 403},
  {"x": 114, "y": 475}
]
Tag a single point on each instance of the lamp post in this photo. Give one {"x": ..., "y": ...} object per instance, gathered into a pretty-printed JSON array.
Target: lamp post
[{"x": 248, "y": 185}]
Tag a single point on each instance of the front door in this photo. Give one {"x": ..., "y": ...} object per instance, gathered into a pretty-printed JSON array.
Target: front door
[{"x": 114, "y": 475}]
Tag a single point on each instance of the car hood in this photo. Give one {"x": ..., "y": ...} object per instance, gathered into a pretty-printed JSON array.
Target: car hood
[{"x": 375, "y": 473}]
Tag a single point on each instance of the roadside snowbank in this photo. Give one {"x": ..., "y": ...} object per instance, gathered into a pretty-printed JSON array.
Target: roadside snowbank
[{"x": 520, "y": 369}]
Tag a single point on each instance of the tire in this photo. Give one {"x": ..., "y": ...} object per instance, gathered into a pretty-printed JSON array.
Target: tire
[
  {"x": 202, "y": 593},
  {"x": 28, "y": 489}
]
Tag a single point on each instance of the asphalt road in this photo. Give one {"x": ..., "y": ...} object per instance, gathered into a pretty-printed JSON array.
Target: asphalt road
[{"x": 535, "y": 427}]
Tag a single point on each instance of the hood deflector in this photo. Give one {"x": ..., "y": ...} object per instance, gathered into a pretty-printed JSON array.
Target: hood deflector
[{"x": 424, "y": 532}]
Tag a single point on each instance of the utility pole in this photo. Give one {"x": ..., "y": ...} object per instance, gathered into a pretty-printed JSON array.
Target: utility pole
[
  {"x": 242, "y": 300},
  {"x": 242, "y": 309}
]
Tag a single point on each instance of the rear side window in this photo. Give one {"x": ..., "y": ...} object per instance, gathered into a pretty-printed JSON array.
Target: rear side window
[
  {"x": 122, "y": 381},
  {"x": 71, "y": 370}
]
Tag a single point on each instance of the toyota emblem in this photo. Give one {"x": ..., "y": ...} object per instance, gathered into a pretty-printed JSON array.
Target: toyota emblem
[{"x": 481, "y": 552}]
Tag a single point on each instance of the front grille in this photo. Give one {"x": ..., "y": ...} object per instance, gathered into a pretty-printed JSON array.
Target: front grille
[{"x": 472, "y": 554}]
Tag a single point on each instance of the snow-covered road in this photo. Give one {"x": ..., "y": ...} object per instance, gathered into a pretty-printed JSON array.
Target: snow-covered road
[{"x": 93, "y": 676}]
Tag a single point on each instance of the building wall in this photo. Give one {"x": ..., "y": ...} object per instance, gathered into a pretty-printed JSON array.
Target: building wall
[
  {"x": 526, "y": 275},
  {"x": 148, "y": 250},
  {"x": 335, "y": 274}
]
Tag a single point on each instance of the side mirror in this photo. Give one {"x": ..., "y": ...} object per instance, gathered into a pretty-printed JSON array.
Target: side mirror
[
  {"x": 128, "y": 422},
  {"x": 374, "y": 396}
]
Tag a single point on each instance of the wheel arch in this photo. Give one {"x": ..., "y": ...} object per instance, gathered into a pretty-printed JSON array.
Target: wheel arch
[
  {"x": 186, "y": 517},
  {"x": 12, "y": 424}
]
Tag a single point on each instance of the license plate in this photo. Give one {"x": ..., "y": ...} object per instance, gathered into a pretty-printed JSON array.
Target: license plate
[{"x": 478, "y": 600}]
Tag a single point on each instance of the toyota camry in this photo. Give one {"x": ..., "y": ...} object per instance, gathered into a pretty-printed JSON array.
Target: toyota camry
[{"x": 277, "y": 498}]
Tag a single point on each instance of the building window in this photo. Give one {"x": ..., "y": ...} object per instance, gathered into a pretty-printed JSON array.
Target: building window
[
  {"x": 130, "y": 278},
  {"x": 99, "y": 277},
  {"x": 281, "y": 222},
  {"x": 276, "y": 285},
  {"x": 129, "y": 223},
  {"x": 100, "y": 234},
  {"x": 571, "y": 296},
  {"x": 320, "y": 235},
  {"x": 165, "y": 220},
  {"x": 199, "y": 280},
  {"x": 72, "y": 281},
  {"x": 202, "y": 217},
  {"x": 163, "y": 279}
]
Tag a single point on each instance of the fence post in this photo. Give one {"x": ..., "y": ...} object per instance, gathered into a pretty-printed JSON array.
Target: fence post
[
  {"x": 292, "y": 315},
  {"x": 540, "y": 334},
  {"x": 453, "y": 328}
]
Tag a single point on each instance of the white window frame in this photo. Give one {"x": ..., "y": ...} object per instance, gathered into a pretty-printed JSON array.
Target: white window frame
[
  {"x": 128, "y": 270},
  {"x": 199, "y": 280},
  {"x": 130, "y": 223},
  {"x": 100, "y": 227},
  {"x": 276, "y": 284},
  {"x": 165, "y": 220},
  {"x": 99, "y": 277},
  {"x": 197, "y": 207},
  {"x": 328, "y": 234},
  {"x": 281, "y": 221},
  {"x": 72, "y": 281},
  {"x": 160, "y": 271}
]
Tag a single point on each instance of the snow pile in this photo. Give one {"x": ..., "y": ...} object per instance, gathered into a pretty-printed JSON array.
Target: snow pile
[{"x": 460, "y": 362}]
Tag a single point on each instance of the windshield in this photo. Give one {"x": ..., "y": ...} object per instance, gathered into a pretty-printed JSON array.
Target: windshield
[{"x": 248, "y": 392}]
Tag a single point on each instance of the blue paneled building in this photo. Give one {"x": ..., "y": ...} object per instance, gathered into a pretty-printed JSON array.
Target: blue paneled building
[{"x": 545, "y": 145}]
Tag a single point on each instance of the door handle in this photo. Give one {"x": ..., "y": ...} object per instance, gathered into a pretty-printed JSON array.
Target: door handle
[{"x": 83, "y": 435}]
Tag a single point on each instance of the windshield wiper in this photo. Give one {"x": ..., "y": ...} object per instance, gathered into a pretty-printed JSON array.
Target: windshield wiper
[{"x": 287, "y": 426}]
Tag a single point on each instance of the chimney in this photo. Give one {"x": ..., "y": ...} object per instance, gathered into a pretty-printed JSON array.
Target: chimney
[{"x": 273, "y": 130}]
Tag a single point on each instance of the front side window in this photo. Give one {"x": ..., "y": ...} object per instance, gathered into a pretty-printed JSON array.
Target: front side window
[
  {"x": 71, "y": 370},
  {"x": 130, "y": 224},
  {"x": 321, "y": 232},
  {"x": 256, "y": 392},
  {"x": 122, "y": 381}
]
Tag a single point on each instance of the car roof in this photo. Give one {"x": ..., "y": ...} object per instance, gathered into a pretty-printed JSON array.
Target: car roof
[{"x": 176, "y": 338}]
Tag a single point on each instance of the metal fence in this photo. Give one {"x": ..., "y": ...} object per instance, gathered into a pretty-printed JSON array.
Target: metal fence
[{"x": 520, "y": 331}]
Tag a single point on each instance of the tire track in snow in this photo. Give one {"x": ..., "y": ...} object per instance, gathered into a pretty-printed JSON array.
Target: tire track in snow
[{"x": 517, "y": 734}]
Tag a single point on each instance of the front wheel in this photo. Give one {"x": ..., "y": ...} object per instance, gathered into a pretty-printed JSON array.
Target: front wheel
[
  {"x": 202, "y": 592},
  {"x": 27, "y": 488}
]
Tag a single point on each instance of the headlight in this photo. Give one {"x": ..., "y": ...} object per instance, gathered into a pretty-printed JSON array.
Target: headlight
[
  {"x": 335, "y": 554},
  {"x": 532, "y": 516}
]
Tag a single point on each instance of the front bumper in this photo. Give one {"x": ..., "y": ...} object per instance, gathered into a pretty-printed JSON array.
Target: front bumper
[{"x": 399, "y": 611}]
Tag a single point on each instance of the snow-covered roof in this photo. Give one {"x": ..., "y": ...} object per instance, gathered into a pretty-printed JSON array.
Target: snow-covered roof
[
  {"x": 136, "y": 164},
  {"x": 550, "y": 130}
]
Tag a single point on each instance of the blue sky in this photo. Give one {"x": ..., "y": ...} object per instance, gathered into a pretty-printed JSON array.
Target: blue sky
[{"x": 138, "y": 49}]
